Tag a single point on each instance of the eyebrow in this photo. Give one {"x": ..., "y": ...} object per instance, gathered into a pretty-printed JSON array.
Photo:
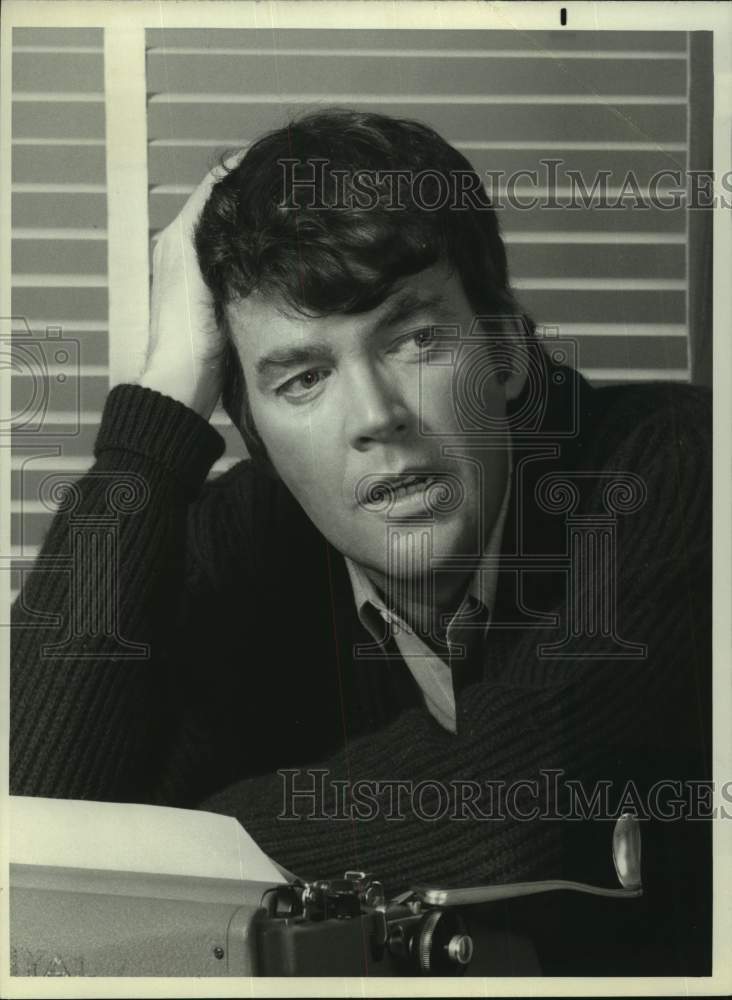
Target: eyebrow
[
  {"x": 404, "y": 306},
  {"x": 409, "y": 304}
]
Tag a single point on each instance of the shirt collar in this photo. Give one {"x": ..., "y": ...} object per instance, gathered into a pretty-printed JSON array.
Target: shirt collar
[{"x": 482, "y": 586}]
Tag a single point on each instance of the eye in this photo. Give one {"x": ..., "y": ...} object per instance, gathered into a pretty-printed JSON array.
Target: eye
[
  {"x": 411, "y": 347},
  {"x": 423, "y": 337},
  {"x": 303, "y": 384}
]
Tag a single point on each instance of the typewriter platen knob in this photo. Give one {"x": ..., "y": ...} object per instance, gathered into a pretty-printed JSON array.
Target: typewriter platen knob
[
  {"x": 460, "y": 949},
  {"x": 442, "y": 945}
]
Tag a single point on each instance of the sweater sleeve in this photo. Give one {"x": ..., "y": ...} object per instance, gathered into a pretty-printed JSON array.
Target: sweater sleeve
[
  {"x": 588, "y": 716},
  {"x": 88, "y": 629}
]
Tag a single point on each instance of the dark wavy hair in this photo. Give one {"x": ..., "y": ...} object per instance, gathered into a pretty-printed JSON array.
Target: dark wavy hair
[{"x": 259, "y": 232}]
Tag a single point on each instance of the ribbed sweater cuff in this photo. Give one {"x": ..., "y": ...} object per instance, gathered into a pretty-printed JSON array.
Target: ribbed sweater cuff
[{"x": 148, "y": 423}]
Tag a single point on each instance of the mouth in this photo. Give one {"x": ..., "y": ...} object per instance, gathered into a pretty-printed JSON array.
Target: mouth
[{"x": 380, "y": 493}]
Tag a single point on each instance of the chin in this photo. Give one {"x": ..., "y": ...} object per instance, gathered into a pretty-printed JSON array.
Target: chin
[{"x": 408, "y": 550}]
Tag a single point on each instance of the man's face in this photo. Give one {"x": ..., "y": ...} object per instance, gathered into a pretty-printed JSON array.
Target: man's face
[{"x": 346, "y": 401}]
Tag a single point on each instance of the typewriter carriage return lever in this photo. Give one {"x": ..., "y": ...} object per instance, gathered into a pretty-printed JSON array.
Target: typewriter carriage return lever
[{"x": 423, "y": 930}]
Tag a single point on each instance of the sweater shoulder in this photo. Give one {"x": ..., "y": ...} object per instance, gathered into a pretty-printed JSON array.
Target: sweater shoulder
[
  {"x": 660, "y": 434},
  {"x": 655, "y": 403},
  {"x": 647, "y": 424}
]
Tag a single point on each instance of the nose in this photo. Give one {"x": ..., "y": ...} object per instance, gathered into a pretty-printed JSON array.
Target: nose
[{"x": 376, "y": 412}]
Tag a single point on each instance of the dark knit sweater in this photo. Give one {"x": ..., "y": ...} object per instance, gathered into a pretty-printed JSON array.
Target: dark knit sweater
[{"x": 250, "y": 624}]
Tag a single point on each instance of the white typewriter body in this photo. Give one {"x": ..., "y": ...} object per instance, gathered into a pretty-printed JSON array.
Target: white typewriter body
[{"x": 108, "y": 889}]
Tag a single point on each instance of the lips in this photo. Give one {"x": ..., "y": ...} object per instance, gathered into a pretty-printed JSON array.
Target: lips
[
  {"x": 404, "y": 486},
  {"x": 378, "y": 492}
]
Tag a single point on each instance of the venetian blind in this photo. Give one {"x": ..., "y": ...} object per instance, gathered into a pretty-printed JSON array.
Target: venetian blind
[
  {"x": 613, "y": 279},
  {"x": 60, "y": 351}
]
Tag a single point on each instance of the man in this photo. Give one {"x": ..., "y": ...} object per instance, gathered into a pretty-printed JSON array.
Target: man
[{"x": 384, "y": 604}]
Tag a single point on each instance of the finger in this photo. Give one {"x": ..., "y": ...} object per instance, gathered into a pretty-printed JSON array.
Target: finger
[
  {"x": 188, "y": 215},
  {"x": 200, "y": 196}
]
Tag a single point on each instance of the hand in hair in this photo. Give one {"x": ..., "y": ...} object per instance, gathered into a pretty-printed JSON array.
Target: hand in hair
[{"x": 186, "y": 349}]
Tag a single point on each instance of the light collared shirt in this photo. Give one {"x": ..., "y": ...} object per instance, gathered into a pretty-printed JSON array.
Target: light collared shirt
[{"x": 465, "y": 633}]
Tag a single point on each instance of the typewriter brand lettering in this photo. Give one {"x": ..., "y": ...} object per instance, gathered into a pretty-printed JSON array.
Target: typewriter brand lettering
[
  {"x": 25, "y": 962},
  {"x": 56, "y": 967}
]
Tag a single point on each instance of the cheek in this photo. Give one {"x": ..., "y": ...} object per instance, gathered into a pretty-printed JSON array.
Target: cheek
[
  {"x": 301, "y": 451},
  {"x": 458, "y": 398},
  {"x": 434, "y": 400}
]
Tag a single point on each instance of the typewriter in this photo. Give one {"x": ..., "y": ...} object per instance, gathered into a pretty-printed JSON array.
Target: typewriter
[{"x": 105, "y": 889}]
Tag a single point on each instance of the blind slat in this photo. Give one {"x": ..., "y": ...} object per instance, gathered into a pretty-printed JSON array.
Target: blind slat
[
  {"x": 59, "y": 209},
  {"x": 627, "y": 307},
  {"x": 58, "y": 71},
  {"x": 497, "y": 41},
  {"x": 455, "y": 121},
  {"x": 599, "y": 221},
  {"x": 182, "y": 164},
  {"x": 63, "y": 120},
  {"x": 59, "y": 164},
  {"x": 59, "y": 256},
  {"x": 169, "y": 72},
  {"x": 62, "y": 37},
  {"x": 86, "y": 392},
  {"x": 549, "y": 260},
  {"x": 59, "y": 305}
]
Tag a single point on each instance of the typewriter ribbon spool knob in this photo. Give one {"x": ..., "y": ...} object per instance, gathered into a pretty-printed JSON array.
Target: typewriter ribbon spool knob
[{"x": 442, "y": 944}]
